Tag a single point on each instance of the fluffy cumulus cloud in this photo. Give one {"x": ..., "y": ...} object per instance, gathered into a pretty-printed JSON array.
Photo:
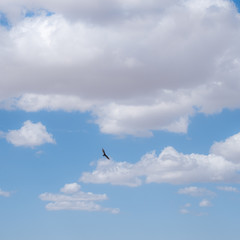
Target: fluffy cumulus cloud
[
  {"x": 137, "y": 66},
  {"x": 228, "y": 148},
  {"x": 170, "y": 166},
  {"x": 72, "y": 198},
  {"x": 29, "y": 135}
]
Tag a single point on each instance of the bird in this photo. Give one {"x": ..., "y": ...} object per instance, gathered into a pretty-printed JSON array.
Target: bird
[{"x": 104, "y": 154}]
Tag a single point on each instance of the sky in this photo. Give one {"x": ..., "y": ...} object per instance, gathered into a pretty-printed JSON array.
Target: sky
[{"x": 155, "y": 83}]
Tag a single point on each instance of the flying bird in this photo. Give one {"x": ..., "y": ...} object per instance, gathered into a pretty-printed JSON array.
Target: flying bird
[{"x": 104, "y": 154}]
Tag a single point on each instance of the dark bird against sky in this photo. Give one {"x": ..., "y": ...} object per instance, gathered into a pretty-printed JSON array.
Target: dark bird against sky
[{"x": 104, "y": 154}]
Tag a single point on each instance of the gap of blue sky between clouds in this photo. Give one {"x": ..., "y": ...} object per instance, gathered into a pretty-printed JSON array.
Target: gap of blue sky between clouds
[
  {"x": 221, "y": 165},
  {"x": 170, "y": 166}
]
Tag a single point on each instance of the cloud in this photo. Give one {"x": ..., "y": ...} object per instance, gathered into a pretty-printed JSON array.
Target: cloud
[
  {"x": 74, "y": 199},
  {"x": 29, "y": 135},
  {"x": 135, "y": 66},
  {"x": 187, "y": 205},
  {"x": 184, "y": 211},
  {"x": 185, "y": 208},
  {"x": 4, "y": 193},
  {"x": 205, "y": 203},
  {"x": 227, "y": 189},
  {"x": 37, "y": 102},
  {"x": 139, "y": 120},
  {"x": 196, "y": 191},
  {"x": 169, "y": 166},
  {"x": 70, "y": 188},
  {"x": 228, "y": 148},
  {"x": 92, "y": 11},
  {"x": 116, "y": 173}
]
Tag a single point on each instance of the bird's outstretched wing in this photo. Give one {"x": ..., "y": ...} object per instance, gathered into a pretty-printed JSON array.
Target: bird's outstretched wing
[
  {"x": 104, "y": 154},
  {"x": 103, "y": 151}
]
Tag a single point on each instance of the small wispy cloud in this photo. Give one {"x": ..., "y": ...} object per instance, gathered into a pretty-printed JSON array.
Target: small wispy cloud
[
  {"x": 227, "y": 189},
  {"x": 187, "y": 205},
  {"x": 205, "y": 203},
  {"x": 4, "y": 193},
  {"x": 195, "y": 210},
  {"x": 72, "y": 198},
  {"x": 185, "y": 208},
  {"x": 39, "y": 153},
  {"x": 184, "y": 211},
  {"x": 196, "y": 191}
]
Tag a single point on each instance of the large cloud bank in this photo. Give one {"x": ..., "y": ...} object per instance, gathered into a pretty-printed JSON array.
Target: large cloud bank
[{"x": 136, "y": 66}]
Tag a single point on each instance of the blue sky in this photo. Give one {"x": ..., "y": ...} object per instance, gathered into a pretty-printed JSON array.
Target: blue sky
[{"x": 155, "y": 84}]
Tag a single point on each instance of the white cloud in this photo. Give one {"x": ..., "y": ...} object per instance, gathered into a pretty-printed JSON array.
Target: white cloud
[
  {"x": 227, "y": 189},
  {"x": 37, "y": 102},
  {"x": 205, "y": 203},
  {"x": 187, "y": 205},
  {"x": 30, "y": 135},
  {"x": 4, "y": 193},
  {"x": 70, "y": 188},
  {"x": 116, "y": 173},
  {"x": 228, "y": 148},
  {"x": 169, "y": 166},
  {"x": 139, "y": 120},
  {"x": 137, "y": 66},
  {"x": 184, "y": 211},
  {"x": 196, "y": 191},
  {"x": 74, "y": 199},
  {"x": 185, "y": 208},
  {"x": 93, "y": 10}
]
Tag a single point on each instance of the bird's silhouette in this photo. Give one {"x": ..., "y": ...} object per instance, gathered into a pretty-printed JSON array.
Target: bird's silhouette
[{"x": 104, "y": 154}]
